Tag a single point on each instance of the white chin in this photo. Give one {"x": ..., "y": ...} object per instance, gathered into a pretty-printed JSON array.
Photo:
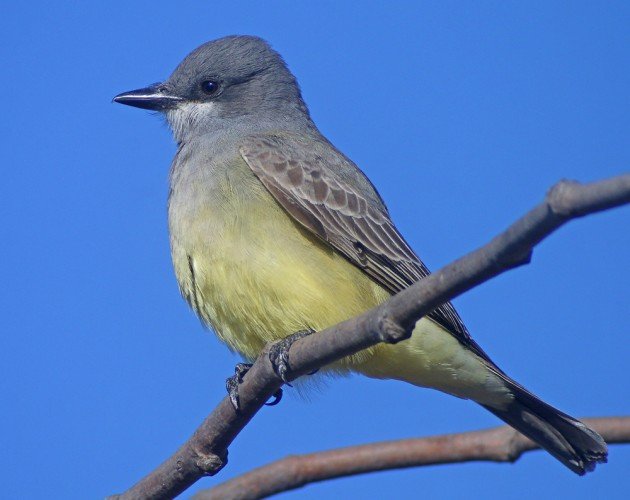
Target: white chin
[{"x": 187, "y": 117}]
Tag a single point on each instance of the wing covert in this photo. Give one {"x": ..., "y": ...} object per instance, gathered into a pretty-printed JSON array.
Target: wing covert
[{"x": 326, "y": 193}]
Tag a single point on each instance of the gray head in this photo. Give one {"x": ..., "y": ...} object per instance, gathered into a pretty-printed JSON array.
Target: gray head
[{"x": 233, "y": 81}]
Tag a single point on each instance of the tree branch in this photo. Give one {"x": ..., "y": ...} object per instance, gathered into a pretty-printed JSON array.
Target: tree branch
[
  {"x": 205, "y": 453},
  {"x": 500, "y": 444}
]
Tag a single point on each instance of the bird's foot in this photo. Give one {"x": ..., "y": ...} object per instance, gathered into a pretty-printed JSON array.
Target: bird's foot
[
  {"x": 232, "y": 383},
  {"x": 279, "y": 354}
]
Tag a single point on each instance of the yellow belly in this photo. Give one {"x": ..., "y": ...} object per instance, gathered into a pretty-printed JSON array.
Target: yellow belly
[{"x": 270, "y": 278}]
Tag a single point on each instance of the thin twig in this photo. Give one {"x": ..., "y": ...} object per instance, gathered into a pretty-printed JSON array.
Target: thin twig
[
  {"x": 205, "y": 453},
  {"x": 500, "y": 444}
]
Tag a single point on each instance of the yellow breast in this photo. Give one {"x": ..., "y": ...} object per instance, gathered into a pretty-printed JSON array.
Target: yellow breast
[{"x": 254, "y": 275}]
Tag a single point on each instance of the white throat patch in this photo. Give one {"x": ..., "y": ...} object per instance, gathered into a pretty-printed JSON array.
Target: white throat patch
[{"x": 188, "y": 116}]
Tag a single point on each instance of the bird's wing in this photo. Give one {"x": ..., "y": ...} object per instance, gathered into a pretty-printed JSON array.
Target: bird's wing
[{"x": 328, "y": 195}]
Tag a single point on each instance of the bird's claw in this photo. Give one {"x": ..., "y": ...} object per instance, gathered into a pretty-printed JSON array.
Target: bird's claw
[
  {"x": 279, "y": 354},
  {"x": 279, "y": 357},
  {"x": 232, "y": 383},
  {"x": 277, "y": 397}
]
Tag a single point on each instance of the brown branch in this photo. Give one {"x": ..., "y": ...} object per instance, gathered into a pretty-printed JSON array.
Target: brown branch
[
  {"x": 500, "y": 444},
  {"x": 205, "y": 453}
]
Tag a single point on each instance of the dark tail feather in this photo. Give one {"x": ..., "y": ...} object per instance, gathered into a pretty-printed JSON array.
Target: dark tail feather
[{"x": 567, "y": 439}]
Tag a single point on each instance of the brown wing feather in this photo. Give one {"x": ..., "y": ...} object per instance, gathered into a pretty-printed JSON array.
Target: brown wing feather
[{"x": 308, "y": 186}]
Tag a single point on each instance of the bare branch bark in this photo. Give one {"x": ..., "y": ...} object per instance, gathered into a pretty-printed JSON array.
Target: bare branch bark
[
  {"x": 500, "y": 444},
  {"x": 205, "y": 453}
]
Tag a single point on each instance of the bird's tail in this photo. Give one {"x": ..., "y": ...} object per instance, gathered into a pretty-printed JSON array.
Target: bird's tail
[
  {"x": 434, "y": 358},
  {"x": 569, "y": 440}
]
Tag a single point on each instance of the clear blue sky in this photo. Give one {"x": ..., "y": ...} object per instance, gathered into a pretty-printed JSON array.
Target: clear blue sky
[{"x": 462, "y": 113}]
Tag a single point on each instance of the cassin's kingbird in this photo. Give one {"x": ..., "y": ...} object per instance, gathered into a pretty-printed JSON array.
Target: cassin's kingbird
[{"x": 275, "y": 231}]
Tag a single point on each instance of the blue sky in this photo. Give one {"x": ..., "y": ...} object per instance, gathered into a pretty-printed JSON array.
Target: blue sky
[{"x": 462, "y": 113}]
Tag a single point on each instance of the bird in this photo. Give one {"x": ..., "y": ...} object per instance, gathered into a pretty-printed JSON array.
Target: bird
[{"x": 275, "y": 233}]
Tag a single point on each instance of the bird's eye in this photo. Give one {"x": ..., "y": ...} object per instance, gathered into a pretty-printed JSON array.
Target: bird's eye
[{"x": 209, "y": 87}]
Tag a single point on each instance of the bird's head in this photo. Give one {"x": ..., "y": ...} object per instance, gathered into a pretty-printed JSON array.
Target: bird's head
[{"x": 236, "y": 79}]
